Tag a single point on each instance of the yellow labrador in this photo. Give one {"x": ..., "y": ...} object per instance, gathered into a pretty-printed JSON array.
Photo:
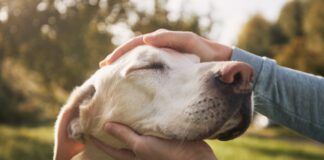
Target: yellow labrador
[{"x": 158, "y": 92}]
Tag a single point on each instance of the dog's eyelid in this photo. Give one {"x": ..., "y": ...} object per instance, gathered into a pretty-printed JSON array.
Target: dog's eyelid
[
  {"x": 158, "y": 66},
  {"x": 155, "y": 65}
]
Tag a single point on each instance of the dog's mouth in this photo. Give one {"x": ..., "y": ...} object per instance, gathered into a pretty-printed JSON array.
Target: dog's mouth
[
  {"x": 216, "y": 119},
  {"x": 244, "y": 115},
  {"x": 234, "y": 126}
]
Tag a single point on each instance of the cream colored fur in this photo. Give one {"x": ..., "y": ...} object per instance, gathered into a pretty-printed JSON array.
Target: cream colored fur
[{"x": 152, "y": 101}]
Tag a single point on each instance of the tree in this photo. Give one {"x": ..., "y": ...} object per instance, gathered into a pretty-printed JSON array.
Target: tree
[
  {"x": 50, "y": 46},
  {"x": 295, "y": 55},
  {"x": 291, "y": 19},
  {"x": 295, "y": 40},
  {"x": 314, "y": 26},
  {"x": 255, "y": 36}
]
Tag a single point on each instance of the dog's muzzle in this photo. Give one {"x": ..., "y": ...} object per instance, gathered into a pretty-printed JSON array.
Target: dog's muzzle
[
  {"x": 245, "y": 114},
  {"x": 238, "y": 110}
]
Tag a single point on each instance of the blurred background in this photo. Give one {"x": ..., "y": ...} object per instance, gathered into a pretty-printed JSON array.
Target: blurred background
[{"x": 47, "y": 47}]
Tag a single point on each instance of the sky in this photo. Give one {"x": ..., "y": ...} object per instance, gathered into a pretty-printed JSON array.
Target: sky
[
  {"x": 232, "y": 14},
  {"x": 237, "y": 12}
]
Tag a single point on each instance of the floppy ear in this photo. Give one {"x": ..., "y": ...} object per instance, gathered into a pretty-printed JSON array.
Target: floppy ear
[{"x": 68, "y": 125}]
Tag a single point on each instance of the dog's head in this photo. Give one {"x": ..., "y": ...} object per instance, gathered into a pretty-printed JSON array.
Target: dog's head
[{"x": 163, "y": 93}]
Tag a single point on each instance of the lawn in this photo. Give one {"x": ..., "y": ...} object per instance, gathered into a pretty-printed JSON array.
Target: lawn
[
  {"x": 269, "y": 144},
  {"x": 36, "y": 143}
]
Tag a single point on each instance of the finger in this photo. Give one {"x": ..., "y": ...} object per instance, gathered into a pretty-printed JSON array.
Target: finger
[
  {"x": 104, "y": 62},
  {"x": 118, "y": 52},
  {"x": 178, "y": 40},
  {"x": 120, "y": 154},
  {"x": 122, "y": 133},
  {"x": 67, "y": 151},
  {"x": 65, "y": 148}
]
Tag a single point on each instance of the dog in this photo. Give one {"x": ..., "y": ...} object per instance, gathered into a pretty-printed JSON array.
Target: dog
[{"x": 158, "y": 92}]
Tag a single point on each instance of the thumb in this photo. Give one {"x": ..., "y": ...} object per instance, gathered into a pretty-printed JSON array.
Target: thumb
[{"x": 122, "y": 133}]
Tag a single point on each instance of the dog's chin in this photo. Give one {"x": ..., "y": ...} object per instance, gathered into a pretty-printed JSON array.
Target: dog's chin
[
  {"x": 244, "y": 115},
  {"x": 243, "y": 119},
  {"x": 220, "y": 128},
  {"x": 233, "y": 132}
]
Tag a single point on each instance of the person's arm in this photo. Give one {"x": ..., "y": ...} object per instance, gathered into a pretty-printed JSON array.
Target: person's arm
[{"x": 289, "y": 97}]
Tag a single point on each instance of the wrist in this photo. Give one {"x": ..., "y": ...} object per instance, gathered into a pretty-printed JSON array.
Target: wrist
[
  {"x": 221, "y": 52},
  {"x": 226, "y": 52}
]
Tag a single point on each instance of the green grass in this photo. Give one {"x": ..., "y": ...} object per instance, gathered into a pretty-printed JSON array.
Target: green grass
[
  {"x": 26, "y": 143},
  {"x": 269, "y": 144},
  {"x": 36, "y": 143}
]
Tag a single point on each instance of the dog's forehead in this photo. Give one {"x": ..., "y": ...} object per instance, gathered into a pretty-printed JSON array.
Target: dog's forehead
[
  {"x": 152, "y": 54},
  {"x": 146, "y": 53}
]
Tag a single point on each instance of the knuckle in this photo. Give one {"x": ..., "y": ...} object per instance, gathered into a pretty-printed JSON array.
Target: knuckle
[
  {"x": 192, "y": 35},
  {"x": 191, "y": 38}
]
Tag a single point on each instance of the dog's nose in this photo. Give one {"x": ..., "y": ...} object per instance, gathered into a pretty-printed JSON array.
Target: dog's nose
[{"x": 236, "y": 73}]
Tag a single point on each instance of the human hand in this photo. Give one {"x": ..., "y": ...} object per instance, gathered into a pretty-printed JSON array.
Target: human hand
[
  {"x": 66, "y": 147},
  {"x": 181, "y": 41},
  {"x": 148, "y": 148}
]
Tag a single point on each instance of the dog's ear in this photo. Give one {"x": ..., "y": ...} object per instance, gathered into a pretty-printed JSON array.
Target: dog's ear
[
  {"x": 68, "y": 125},
  {"x": 80, "y": 99}
]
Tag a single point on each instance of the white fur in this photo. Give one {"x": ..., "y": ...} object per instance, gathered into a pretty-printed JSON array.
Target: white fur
[{"x": 152, "y": 102}]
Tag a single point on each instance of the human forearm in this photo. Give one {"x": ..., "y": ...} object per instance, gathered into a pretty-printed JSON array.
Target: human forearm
[{"x": 287, "y": 96}]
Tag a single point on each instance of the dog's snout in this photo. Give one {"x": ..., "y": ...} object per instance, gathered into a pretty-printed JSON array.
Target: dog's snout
[
  {"x": 233, "y": 77},
  {"x": 236, "y": 72}
]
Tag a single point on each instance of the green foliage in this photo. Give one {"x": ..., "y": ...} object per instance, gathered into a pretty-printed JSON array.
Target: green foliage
[
  {"x": 47, "y": 47},
  {"x": 295, "y": 55},
  {"x": 256, "y": 36},
  {"x": 268, "y": 144},
  {"x": 5, "y": 94},
  {"x": 295, "y": 40},
  {"x": 291, "y": 18},
  {"x": 18, "y": 143},
  {"x": 314, "y": 26}
]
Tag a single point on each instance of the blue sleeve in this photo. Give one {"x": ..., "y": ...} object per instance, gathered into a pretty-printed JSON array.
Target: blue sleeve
[{"x": 292, "y": 98}]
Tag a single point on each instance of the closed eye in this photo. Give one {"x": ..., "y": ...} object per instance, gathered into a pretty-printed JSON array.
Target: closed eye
[{"x": 156, "y": 65}]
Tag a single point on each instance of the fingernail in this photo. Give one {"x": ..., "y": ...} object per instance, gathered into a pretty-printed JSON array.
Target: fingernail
[
  {"x": 109, "y": 126},
  {"x": 109, "y": 62},
  {"x": 102, "y": 63}
]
